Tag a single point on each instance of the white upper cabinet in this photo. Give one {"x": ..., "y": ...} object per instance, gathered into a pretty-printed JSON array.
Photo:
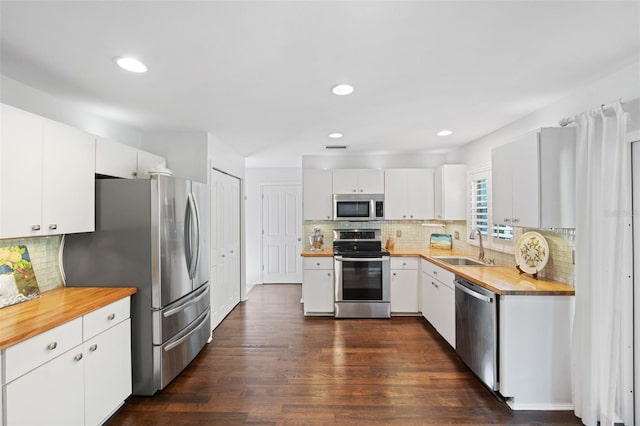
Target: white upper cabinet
[
  {"x": 46, "y": 176},
  {"x": 116, "y": 159},
  {"x": 146, "y": 162},
  {"x": 408, "y": 194},
  {"x": 360, "y": 181},
  {"x": 450, "y": 195},
  {"x": 317, "y": 194},
  {"x": 533, "y": 180},
  {"x": 123, "y": 161}
]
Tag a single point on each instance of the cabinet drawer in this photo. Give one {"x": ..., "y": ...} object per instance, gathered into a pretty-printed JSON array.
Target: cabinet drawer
[
  {"x": 404, "y": 263},
  {"x": 31, "y": 353},
  {"x": 318, "y": 263},
  {"x": 439, "y": 273},
  {"x": 99, "y": 320}
]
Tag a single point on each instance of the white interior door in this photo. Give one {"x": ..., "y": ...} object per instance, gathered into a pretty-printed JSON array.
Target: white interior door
[
  {"x": 225, "y": 245},
  {"x": 281, "y": 233},
  {"x": 636, "y": 273}
]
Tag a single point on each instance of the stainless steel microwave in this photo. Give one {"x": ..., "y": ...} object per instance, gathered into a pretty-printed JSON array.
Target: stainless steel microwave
[{"x": 358, "y": 207}]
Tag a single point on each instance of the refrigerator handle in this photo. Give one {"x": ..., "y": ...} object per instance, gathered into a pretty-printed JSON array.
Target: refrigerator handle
[
  {"x": 193, "y": 230},
  {"x": 187, "y": 236},
  {"x": 196, "y": 257}
]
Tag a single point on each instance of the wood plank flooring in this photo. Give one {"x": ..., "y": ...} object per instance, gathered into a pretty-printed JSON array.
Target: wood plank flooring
[{"x": 268, "y": 364}]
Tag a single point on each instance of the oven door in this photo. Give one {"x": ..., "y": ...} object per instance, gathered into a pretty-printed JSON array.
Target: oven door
[{"x": 362, "y": 279}]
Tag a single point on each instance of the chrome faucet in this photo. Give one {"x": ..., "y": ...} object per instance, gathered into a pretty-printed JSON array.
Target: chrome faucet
[{"x": 481, "y": 248}]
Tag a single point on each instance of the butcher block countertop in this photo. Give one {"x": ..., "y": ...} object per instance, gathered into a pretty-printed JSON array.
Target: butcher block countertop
[
  {"x": 24, "y": 320},
  {"x": 503, "y": 280}
]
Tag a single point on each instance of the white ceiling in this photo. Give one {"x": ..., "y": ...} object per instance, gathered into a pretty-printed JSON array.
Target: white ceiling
[{"x": 258, "y": 74}]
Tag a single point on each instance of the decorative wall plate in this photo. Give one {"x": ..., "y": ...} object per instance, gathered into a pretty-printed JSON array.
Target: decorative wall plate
[{"x": 532, "y": 252}]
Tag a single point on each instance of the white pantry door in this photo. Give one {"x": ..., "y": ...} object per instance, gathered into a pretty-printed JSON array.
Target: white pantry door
[
  {"x": 281, "y": 233},
  {"x": 225, "y": 245},
  {"x": 636, "y": 272}
]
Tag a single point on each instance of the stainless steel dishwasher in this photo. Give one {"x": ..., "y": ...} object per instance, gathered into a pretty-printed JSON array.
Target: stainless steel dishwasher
[{"x": 477, "y": 330}]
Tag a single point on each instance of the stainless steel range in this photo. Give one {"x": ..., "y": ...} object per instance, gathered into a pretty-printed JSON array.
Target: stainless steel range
[{"x": 362, "y": 274}]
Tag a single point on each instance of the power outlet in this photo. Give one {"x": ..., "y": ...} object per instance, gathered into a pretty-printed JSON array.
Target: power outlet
[
  {"x": 399, "y": 233},
  {"x": 456, "y": 235}
]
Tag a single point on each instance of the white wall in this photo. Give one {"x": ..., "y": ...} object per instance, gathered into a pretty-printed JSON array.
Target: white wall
[
  {"x": 373, "y": 161},
  {"x": 27, "y": 98},
  {"x": 624, "y": 84},
  {"x": 186, "y": 152},
  {"x": 255, "y": 178},
  {"x": 224, "y": 158}
]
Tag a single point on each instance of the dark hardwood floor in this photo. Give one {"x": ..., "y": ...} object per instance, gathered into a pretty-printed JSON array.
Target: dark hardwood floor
[{"x": 268, "y": 364}]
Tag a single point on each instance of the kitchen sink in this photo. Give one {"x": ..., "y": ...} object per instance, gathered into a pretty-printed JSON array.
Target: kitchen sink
[{"x": 460, "y": 261}]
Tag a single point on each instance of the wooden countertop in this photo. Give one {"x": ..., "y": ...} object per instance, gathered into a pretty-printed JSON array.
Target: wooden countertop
[
  {"x": 503, "y": 280},
  {"x": 53, "y": 308}
]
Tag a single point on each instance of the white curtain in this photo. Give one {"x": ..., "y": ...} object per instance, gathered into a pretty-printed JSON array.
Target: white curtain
[{"x": 602, "y": 336}]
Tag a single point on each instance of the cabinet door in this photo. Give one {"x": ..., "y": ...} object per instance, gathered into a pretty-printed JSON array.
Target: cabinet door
[
  {"x": 420, "y": 197},
  {"x": 317, "y": 291},
  {"x": 20, "y": 173},
  {"x": 317, "y": 194},
  {"x": 526, "y": 182},
  {"x": 395, "y": 194},
  {"x": 428, "y": 299},
  {"x": 68, "y": 180},
  {"x": 147, "y": 161},
  {"x": 345, "y": 181},
  {"x": 371, "y": 181},
  {"x": 116, "y": 159},
  {"x": 107, "y": 372},
  {"x": 404, "y": 291},
  {"x": 52, "y": 394},
  {"x": 501, "y": 184},
  {"x": 450, "y": 192},
  {"x": 446, "y": 302}
]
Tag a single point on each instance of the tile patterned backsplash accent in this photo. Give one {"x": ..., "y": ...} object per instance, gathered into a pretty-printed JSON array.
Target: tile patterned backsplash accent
[
  {"x": 414, "y": 235},
  {"x": 44, "y": 257}
]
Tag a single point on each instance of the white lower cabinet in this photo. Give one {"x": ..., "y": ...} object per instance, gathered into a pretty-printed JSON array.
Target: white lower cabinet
[
  {"x": 107, "y": 372},
  {"x": 438, "y": 300},
  {"x": 47, "y": 382},
  {"x": 535, "y": 351},
  {"x": 317, "y": 286},
  {"x": 52, "y": 394},
  {"x": 404, "y": 285}
]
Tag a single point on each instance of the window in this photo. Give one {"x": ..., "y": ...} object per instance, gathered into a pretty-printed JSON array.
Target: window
[
  {"x": 480, "y": 205},
  {"x": 496, "y": 237}
]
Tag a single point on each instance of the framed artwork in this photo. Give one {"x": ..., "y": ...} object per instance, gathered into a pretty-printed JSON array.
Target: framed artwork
[{"x": 17, "y": 279}]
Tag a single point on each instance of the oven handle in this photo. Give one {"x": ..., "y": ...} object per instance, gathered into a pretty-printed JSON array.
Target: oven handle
[{"x": 361, "y": 259}]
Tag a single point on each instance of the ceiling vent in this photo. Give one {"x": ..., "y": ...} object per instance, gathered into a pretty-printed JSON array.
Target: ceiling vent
[{"x": 336, "y": 146}]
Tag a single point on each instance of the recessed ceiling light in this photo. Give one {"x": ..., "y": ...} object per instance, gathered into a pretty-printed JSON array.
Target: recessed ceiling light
[
  {"x": 130, "y": 64},
  {"x": 342, "y": 89},
  {"x": 444, "y": 132},
  {"x": 335, "y": 135}
]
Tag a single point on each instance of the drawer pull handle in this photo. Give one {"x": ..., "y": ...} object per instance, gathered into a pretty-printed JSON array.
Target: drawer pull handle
[
  {"x": 77, "y": 358},
  {"x": 435, "y": 272},
  {"x": 53, "y": 226},
  {"x": 35, "y": 228},
  {"x": 111, "y": 317},
  {"x": 51, "y": 346},
  {"x": 93, "y": 348}
]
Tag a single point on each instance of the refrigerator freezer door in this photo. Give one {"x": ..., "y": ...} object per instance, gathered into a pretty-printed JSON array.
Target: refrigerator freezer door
[{"x": 171, "y": 204}]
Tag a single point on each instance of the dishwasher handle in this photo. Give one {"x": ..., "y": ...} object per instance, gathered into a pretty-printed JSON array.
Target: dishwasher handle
[{"x": 472, "y": 293}]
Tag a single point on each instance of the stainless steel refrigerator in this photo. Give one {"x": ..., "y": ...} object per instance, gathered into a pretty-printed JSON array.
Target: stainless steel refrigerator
[{"x": 152, "y": 235}]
